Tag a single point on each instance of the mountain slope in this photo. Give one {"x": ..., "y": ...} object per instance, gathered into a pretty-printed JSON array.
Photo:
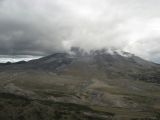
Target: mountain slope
[
  {"x": 98, "y": 85},
  {"x": 115, "y": 65}
]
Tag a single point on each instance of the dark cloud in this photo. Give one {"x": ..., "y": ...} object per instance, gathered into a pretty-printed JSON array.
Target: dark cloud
[
  {"x": 25, "y": 30},
  {"x": 41, "y": 27}
]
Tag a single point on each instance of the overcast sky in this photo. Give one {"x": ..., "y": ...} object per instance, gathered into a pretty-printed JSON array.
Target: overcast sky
[{"x": 40, "y": 27}]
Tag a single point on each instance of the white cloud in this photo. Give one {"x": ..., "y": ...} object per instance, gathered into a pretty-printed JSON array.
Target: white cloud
[{"x": 17, "y": 58}]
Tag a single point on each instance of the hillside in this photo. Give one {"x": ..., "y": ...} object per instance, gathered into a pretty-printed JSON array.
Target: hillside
[{"x": 98, "y": 85}]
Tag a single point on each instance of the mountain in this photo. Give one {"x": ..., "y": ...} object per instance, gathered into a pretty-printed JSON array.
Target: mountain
[
  {"x": 96, "y": 85},
  {"x": 112, "y": 64}
]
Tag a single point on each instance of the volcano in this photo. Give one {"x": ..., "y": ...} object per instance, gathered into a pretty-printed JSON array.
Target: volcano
[{"x": 96, "y": 85}]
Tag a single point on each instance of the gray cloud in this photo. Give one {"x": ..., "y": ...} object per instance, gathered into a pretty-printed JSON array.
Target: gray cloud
[{"x": 41, "y": 27}]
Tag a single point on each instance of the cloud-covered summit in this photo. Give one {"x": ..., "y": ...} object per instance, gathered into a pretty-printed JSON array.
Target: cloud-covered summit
[{"x": 40, "y": 27}]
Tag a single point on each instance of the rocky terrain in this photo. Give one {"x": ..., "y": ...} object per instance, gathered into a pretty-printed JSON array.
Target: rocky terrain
[{"x": 98, "y": 85}]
